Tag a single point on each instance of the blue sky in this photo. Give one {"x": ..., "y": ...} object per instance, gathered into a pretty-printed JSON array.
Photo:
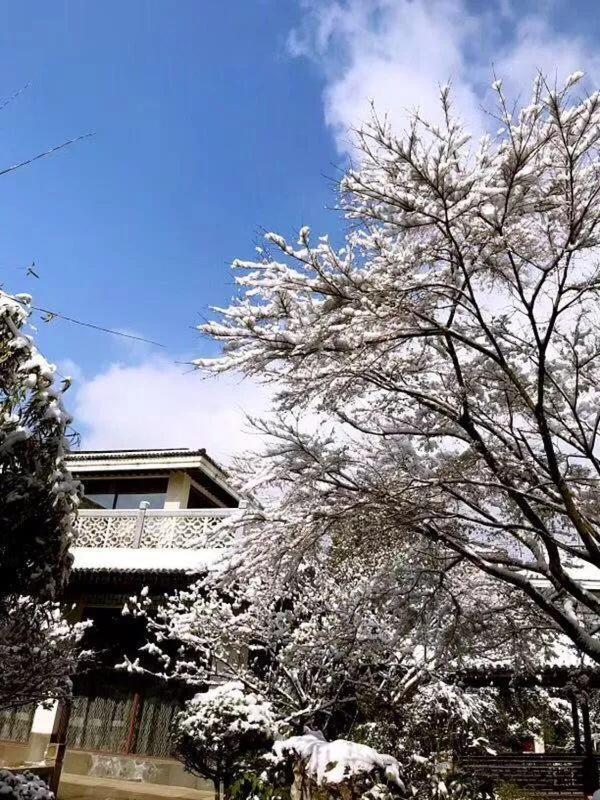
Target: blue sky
[
  {"x": 205, "y": 130},
  {"x": 212, "y": 122}
]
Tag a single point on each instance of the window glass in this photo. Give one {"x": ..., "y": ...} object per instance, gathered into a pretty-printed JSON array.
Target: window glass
[
  {"x": 99, "y": 500},
  {"x": 124, "y": 493},
  {"x": 133, "y": 499}
]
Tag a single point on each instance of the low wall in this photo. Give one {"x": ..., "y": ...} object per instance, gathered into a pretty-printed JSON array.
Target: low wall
[
  {"x": 13, "y": 753},
  {"x": 164, "y": 771}
]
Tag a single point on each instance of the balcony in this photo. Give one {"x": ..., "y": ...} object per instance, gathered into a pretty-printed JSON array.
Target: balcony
[{"x": 170, "y": 528}]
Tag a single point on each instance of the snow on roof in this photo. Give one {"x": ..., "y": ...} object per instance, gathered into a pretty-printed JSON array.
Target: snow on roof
[
  {"x": 146, "y": 559},
  {"x": 78, "y": 456},
  {"x": 586, "y": 574}
]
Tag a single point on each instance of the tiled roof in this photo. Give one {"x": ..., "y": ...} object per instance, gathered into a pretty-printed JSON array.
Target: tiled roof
[{"x": 165, "y": 451}]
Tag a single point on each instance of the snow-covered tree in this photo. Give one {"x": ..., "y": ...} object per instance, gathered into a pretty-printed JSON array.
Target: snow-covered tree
[
  {"x": 39, "y": 650},
  {"x": 344, "y": 641},
  {"x": 369, "y": 650},
  {"x": 38, "y": 499},
  {"x": 436, "y": 377}
]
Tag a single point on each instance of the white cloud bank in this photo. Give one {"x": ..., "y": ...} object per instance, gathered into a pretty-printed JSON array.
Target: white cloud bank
[
  {"x": 158, "y": 403},
  {"x": 397, "y": 53}
]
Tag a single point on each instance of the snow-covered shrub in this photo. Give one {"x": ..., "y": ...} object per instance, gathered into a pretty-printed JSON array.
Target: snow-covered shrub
[
  {"x": 446, "y": 719},
  {"x": 220, "y": 733},
  {"x": 347, "y": 769},
  {"x": 527, "y": 713},
  {"x": 440, "y": 722},
  {"x": 23, "y": 786}
]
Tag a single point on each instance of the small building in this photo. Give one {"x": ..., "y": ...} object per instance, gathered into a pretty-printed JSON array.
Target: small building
[{"x": 146, "y": 519}]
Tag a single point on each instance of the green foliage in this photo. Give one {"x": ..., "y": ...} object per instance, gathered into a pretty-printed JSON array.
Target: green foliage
[{"x": 252, "y": 786}]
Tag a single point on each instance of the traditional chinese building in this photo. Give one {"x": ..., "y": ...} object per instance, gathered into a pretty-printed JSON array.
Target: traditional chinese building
[{"x": 146, "y": 520}]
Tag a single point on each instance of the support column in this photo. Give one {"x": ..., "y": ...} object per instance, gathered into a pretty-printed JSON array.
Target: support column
[
  {"x": 58, "y": 743},
  {"x": 587, "y": 728},
  {"x": 178, "y": 490},
  {"x": 42, "y": 728}
]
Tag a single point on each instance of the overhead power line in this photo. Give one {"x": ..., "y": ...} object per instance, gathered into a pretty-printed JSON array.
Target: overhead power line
[
  {"x": 44, "y": 154},
  {"x": 55, "y": 314}
]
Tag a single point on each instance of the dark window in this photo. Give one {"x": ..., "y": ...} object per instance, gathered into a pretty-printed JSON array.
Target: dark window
[
  {"x": 199, "y": 500},
  {"x": 124, "y": 493},
  {"x": 112, "y": 635}
]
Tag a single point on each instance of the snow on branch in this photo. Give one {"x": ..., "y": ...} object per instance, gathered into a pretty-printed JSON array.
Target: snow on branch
[{"x": 436, "y": 377}]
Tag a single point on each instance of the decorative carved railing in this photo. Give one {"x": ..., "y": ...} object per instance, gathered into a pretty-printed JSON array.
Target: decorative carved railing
[
  {"x": 186, "y": 528},
  {"x": 548, "y": 774}
]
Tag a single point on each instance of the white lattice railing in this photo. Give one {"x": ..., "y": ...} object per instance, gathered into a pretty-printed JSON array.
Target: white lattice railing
[{"x": 186, "y": 528}]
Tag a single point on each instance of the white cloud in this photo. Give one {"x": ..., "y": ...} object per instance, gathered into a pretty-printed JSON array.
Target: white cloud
[
  {"x": 397, "y": 53},
  {"x": 158, "y": 403},
  {"x": 536, "y": 47},
  {"x": 394, "y": 52}
]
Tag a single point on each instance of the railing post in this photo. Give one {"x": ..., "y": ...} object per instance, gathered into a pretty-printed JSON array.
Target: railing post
[
  {"x": 139, "y": 530},
  {"x": 107, "y": 533}
]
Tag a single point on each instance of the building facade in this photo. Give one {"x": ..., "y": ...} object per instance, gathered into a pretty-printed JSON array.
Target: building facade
[{"x": 147, "y": 519}]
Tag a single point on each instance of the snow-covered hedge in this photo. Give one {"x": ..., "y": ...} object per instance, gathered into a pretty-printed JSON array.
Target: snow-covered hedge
[
  {"x": 347, "y": 770},
  {"x": 330, "y": 763},
  {"x": 339, "y": 769},
  {"x": 23, "y": 786}
]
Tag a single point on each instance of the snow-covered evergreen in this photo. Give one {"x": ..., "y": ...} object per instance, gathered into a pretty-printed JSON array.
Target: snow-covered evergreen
[{"x": 38, "y": 499}]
